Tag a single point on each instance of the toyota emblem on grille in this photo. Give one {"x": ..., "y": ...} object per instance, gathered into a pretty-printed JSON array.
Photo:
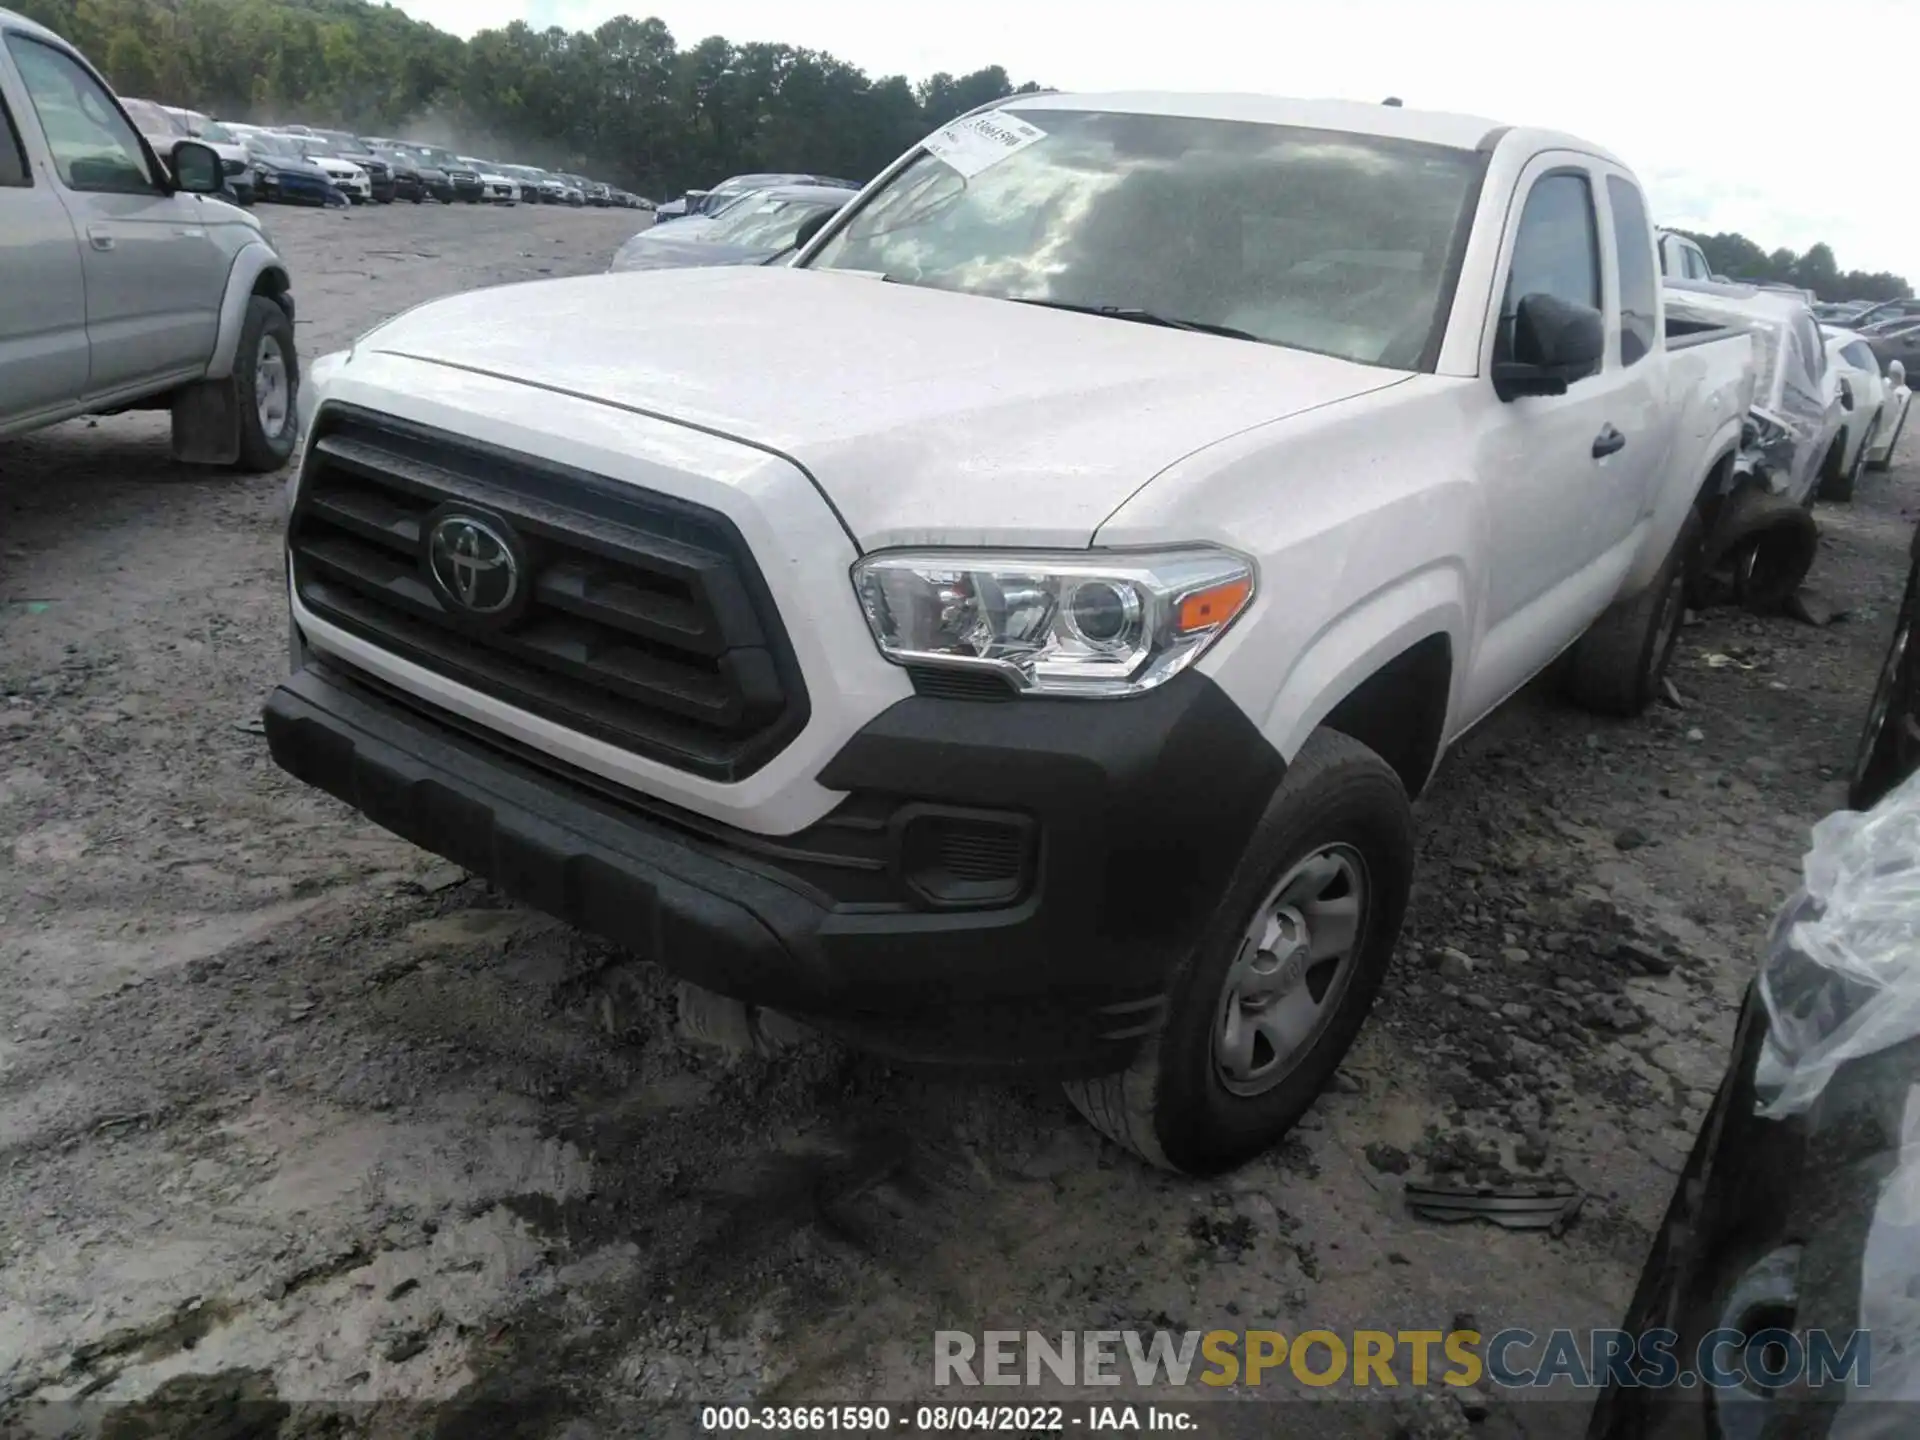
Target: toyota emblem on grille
[{"x": 472, "y": 564}]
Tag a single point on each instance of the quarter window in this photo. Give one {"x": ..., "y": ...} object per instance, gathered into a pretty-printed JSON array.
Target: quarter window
[
  {"x": 94, "y": 148},
  {"x": 1639, "y": 287}
]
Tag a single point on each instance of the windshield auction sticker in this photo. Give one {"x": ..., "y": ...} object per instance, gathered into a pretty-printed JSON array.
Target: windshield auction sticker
[{"x": 979, "y": 141}]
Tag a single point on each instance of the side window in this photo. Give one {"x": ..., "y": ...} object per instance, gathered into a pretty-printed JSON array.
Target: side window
[
  {"x": 1859, "y": 356},
  {"x": 1697, "y": 268},
  {"x": 94, "y": 148},
  {"x": 13, "y": 159},
  {"x": 1639, "y": 286},
  {"x": 1556, "y": 250}
]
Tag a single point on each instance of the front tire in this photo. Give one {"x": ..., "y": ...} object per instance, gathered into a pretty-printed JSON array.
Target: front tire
[
  {"x": 1617, "y": 666},
  {"x": 267, "y": 385},
  {"x": 1261, "y": 1012}
]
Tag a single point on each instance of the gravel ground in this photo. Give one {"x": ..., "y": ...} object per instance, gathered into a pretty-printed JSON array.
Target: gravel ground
[{"x": 291, "y": 1114}]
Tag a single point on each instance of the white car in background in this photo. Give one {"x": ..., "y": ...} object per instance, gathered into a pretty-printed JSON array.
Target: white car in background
[
  {"x": 1893, "y": 418},
  {"x": 495, "y": 188},
  {"x": 1864, "y": 396}
]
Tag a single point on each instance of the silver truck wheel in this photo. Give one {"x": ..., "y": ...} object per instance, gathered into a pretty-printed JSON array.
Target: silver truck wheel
[{"x": 1259, "y": 1014}]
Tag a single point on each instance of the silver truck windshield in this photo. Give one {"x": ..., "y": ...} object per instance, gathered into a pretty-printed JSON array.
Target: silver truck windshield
[{"x": 1314, "y": 239}]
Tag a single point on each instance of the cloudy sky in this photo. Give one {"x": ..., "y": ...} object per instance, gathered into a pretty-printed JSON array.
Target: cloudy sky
[{"x": 1729, "y": 111}]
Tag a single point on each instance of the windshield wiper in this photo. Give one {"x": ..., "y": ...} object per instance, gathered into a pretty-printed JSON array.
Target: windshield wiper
[{"x": 1138, "y": 316}]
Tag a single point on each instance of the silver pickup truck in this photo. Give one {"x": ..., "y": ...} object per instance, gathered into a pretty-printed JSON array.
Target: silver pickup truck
[{"x": 127, "y": 284}]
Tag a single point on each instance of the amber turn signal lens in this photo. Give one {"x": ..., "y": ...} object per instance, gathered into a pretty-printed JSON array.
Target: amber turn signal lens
[{"x": 1216, "y": 605}]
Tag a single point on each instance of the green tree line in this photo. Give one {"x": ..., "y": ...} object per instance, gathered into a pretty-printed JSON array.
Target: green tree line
[
  {"x": 623, "y": 103},
  {"x": 1738, "y": 258}
]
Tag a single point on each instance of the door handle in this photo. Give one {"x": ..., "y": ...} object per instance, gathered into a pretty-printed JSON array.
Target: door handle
[
  {"x": 100, "y": 239},
  {"x": 1607, "y": 442}
]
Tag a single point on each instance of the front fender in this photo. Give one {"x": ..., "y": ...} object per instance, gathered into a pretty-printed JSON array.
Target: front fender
[
  {"x": 255, "y": 258},
  {"x": 1361, "y": 640}
]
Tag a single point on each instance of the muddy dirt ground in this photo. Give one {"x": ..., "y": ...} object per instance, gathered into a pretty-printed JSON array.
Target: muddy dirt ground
[{"x": 295, "y": 1117}]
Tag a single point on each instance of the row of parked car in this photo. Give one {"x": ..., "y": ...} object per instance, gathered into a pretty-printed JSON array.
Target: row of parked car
[{"x": 309, "y": 165}]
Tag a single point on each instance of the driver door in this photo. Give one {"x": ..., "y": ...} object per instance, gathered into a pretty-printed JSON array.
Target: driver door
[
  {"x": 154, "y": 275},
  {"x": 1557, "y": 486}
]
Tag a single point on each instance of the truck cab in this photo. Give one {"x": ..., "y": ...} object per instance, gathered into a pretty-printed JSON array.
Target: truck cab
[
  {"x": 1683, "y": 259},
  {"x": 1039, "y": 676}
]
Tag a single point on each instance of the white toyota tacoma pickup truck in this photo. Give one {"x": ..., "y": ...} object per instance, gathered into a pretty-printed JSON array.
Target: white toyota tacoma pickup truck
[{"x": 1010, "y": 636}]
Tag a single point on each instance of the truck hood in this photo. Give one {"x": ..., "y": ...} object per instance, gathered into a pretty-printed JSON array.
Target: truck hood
[{"x": 925, "y": 416}]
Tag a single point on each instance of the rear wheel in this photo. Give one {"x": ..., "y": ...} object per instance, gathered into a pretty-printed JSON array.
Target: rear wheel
[
  {"x": 1889, "y": 748},
  {"x": 1617, "y": 666},
  {"x": 1260, "y": 1014}
]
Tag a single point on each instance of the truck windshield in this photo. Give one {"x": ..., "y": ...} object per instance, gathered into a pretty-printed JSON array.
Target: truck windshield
[{"x": 1317, "y": 240}]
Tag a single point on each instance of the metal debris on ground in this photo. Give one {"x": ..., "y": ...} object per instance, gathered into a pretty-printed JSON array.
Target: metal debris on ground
[{"x": 1521, "y": 1207}]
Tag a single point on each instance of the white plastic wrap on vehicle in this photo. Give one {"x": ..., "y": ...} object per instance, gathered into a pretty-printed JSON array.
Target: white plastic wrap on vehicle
[
  {"x": 1841, "y": 977},
  {"x": 1790, "y": 360}
]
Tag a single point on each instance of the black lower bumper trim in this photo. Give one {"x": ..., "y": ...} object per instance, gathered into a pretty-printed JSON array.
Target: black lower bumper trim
[{"x": 1141, "y": 807}]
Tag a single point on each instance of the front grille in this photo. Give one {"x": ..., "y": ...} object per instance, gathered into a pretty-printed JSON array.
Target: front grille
[{"x": 645, "y": 620}]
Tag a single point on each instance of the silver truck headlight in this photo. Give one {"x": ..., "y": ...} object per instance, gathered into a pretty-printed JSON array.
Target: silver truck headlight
[{"x": 1074, "y": 623}]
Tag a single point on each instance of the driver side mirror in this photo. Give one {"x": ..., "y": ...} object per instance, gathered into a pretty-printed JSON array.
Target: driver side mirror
[
  {"x": 196, "y": 168},
  {"x": 1846, "y": 393},
  {"x": 810, "y": 227},
  {"x": 1549, "y": 344}
]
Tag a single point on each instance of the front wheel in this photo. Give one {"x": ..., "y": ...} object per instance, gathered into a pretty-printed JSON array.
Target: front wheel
[
  {"x": 1259, "y": 1015},
  {"x": 1889, "y": 748},
  {"x": 267, "y": 372}
]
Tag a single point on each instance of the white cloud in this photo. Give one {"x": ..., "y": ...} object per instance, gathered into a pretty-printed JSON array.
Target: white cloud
[{"x": 1716, "y": 102}]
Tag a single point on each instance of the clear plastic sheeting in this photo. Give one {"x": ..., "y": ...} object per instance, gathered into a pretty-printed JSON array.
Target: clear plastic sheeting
[
  {"x": 1794, "y": 394},
  {"x": 1841, "y": 978}
]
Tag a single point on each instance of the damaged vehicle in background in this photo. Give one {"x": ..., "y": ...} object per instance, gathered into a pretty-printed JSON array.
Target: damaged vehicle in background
[
  {"x": 765, "y": 226},
  {"x": 1014, "y": 645},
  {"x": 1759, "y": 537},
  {"x": 1793, "y": 1219},
  {"x": 347, "y": 177},
  {"x": 1864, "y": 395},
  {"x": 281, "y": 172}
]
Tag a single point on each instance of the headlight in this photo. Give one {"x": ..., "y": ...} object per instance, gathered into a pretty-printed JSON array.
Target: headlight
[{"x": 1055, "y": 624}]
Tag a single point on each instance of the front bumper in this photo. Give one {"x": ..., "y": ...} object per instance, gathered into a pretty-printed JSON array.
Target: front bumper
[
  {"x": 1133, "y": 815},
  {"x": 295, "y": 189}
]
